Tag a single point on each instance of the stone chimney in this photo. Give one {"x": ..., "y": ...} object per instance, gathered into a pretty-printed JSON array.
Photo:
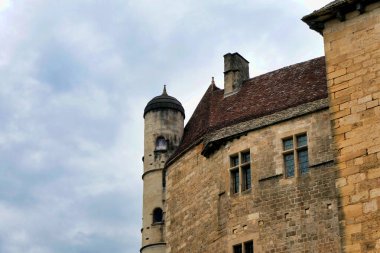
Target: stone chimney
[{"x": 236, "y": 70}]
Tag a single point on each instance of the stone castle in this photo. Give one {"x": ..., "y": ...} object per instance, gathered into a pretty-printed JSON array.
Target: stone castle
[{"x": 288, "y": 161}]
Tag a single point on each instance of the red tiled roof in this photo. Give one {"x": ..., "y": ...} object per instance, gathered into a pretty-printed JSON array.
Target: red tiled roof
[{"x": 259, "y": 96}]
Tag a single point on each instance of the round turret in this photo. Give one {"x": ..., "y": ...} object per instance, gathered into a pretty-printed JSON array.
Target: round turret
[{"x": 163, "y": 130}]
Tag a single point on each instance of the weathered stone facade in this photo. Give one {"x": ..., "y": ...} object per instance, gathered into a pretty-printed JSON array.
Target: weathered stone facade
[{"x": 278, "y": 214}]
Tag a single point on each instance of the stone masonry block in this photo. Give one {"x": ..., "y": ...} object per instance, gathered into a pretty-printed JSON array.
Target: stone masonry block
[
  {"x": 374, "y": 173},
  {"x": 356, "y": 178},
  {"x": 353, "y": 248},
  {"x": 341, "y": 114},
  {"x": 359, "y": 196},
  {"x": 339, "y": 87},
  {"x": 340, "y": 100},
  {"x": 349, "y": 170},
  {"x": 352, "y": 211},
  {"x": 372, "y": 104},
  {"x": 358, "y": 108},
  {"x": 346, "y": 105},
  {"x": 374, "y": 193},
  {"x": 343, "y": 129},
  {"x": 365, "y": 99},
  {"x": 353, "y": 228},
  {"x": 359, "y": 161},
  {"x": 344, "y": 78},
  {"x": 374, "y": 149},
  {"x": 335, "y": 108},
  {"x": 370, "y": 206},
  {"x": 347, "y": 190},
  {"x": 340, "y": 182},
  {"x": 362, "y": 58},
  {"x": 357, "y": 94},
  {"x": 353, "y": 154},
  {"x": 337, "y": 73},
  {"x": 355, "y": 81},
  {"x": 343, "y": 92}
]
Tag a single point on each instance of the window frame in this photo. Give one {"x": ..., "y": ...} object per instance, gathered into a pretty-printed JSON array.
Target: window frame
[
  {"x": 240, "y": 172},
  {"x": 295, "y": 150}
]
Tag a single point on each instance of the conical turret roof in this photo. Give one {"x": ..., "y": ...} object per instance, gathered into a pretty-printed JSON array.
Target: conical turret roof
[{"x": 164, "y": 101}]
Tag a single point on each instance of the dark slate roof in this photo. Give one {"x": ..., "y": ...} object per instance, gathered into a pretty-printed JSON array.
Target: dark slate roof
[
  {"x": 262, "y": 95},
  {"x": 164, "y": 101},
  {"x": 335, "y": 9}
]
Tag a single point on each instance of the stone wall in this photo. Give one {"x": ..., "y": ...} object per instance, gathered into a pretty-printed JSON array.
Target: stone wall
[
  {"x": 278, "y": 214},
  {"x": 352, "y": 52}
]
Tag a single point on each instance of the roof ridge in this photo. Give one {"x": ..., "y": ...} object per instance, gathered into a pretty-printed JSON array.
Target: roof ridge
[{"x": 285, "y": 67}]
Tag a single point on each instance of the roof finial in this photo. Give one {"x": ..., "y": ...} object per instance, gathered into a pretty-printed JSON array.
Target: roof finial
[
  {"x": 164, "y": 91},
  {"x": 212, "y": 85}
]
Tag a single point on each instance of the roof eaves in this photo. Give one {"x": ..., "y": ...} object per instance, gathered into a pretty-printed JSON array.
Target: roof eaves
[
  {"x": 336, "y": 9},
  {"x": 214, "y": 139}
]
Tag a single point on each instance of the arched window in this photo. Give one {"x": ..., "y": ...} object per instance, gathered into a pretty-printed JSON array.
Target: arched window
[
  {"x": 157, "y": 215},
  {"x": 161, "y": 143}
]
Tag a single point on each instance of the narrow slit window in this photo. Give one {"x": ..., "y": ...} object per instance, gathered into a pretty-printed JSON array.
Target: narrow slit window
[
  {"x": 246, "y": 171},
  {"x": 235, "y": 180}
]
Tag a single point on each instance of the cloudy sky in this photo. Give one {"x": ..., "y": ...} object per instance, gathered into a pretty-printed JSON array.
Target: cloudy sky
[{"x": 75, "y": 76}]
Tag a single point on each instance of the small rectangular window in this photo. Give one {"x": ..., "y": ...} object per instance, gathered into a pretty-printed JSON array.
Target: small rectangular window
[
  {"x": 248, "y": 247},
  {"x": 246, "y": 171},
  {"x": 235, "y": 180},
  {"x": 238, "y": 248}
]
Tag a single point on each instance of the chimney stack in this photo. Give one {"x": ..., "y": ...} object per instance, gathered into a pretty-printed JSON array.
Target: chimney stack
[{"x": 236, "y": 70}]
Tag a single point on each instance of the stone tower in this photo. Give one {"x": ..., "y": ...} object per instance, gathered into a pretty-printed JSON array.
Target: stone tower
[
  {"x": 164, "y": 118},
  {"x": 351, "y": 33}
]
